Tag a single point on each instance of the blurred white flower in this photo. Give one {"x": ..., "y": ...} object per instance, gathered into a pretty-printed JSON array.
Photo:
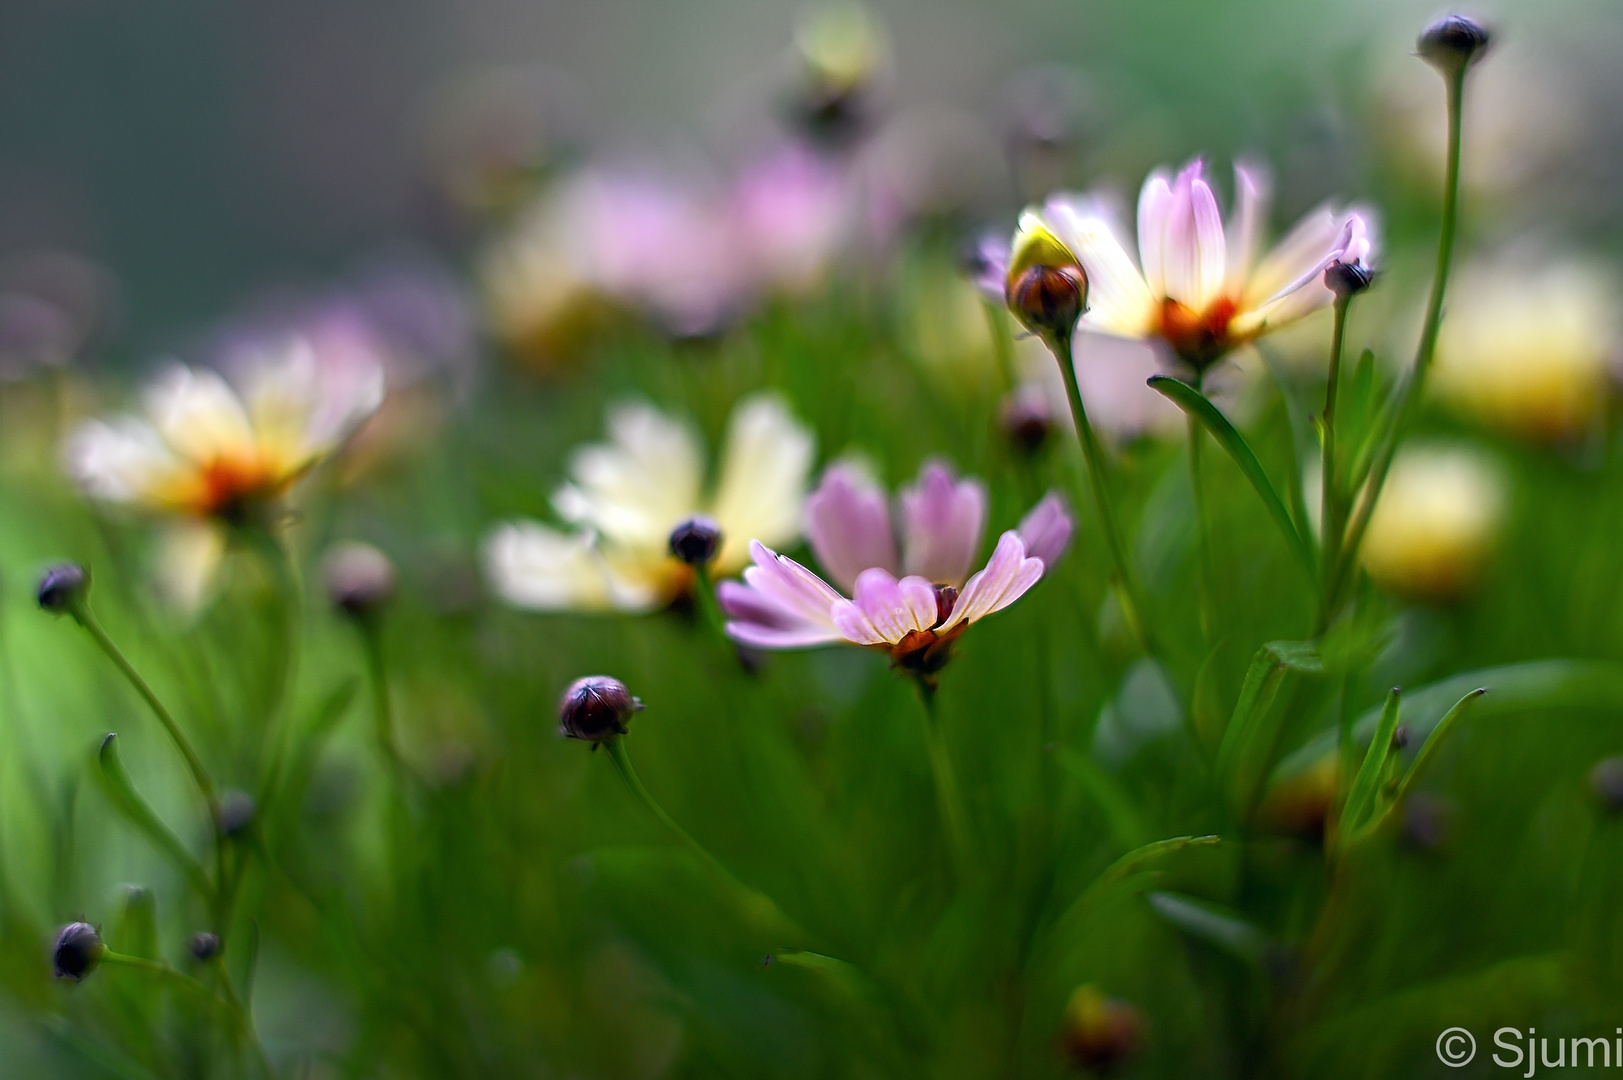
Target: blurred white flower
[
  {"x": 1529, "y": 348},
  {"x": 625, "y": 497},
  {"x": 1436, "y": 523}
]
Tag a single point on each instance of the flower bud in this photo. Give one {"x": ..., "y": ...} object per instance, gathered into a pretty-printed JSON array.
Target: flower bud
[
  {"x": 1047, "y": 289},
  {"x": 1347, "y": 280},
  {"x": 204, "y": 947},
  {"x": 359, "y": 577},
  {"x": 1452, "y": 43},
  {"x": 596, "y": 709},
  {"x": 696, "y": 540},
  {"x": 1606, "y": 781},
  {"x": 1026, "y": 419},
  {"x": 78, "y": 951},
  {"x": 234, "y": 812},
  {"x": 62, "y": 587},
  {"x": 1099, "y": 1032}
]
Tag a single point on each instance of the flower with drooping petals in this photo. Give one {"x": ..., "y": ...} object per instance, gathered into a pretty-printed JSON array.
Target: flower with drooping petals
[
  {"x": 1199, "y": 286},
  {"x": 626, "y": 496},
  {"x": 914, "y": 618}
]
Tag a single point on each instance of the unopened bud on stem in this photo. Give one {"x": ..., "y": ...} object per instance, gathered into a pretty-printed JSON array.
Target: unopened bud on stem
[
  {"x": 360, "y": 579},
  {"x": 78, "y": 950},
  {"x": 1347, "y": 280},
  {"x": 62, "y": 587},
  {"x": 596, "y": 709},
  {"x": 1453, "y": 43},
  {"x": 696, "y": 540},
  {"x": 1047, "y": 289},
  {"x": 204, "y": 946}
]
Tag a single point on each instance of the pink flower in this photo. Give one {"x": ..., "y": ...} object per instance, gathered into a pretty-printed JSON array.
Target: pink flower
[
  {"x": 1204, "y": 286},
  {"x": 915, "y": 617}
]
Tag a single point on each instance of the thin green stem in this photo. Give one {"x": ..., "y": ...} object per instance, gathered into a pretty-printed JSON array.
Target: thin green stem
[
  {"x": 377, "y": 674},
  {"x": 84, "y": 617},
  {"x": 997, "y": 318},
  {"x": 1330, "y": 504},
  {"x": 710, "y": 612},
  {"x": 1207, "y": 573},
  {"x": 1093, "y": 457},
  {"x": 949, "y": 797},
  {"x": 289, "y": 591},
  {"x": 763, "y": 912},
  {"x": 1409, "y": 396}
]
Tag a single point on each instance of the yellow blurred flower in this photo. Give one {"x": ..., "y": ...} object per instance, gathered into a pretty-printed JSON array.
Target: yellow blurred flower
[
  {"x": 1436, "y": 523},
  {"x": 627, "y": 495},
  {"x": 1530, "y": 350}
]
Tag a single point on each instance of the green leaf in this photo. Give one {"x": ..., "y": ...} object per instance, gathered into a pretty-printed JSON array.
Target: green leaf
[
  {"x": 136, "y": 932},
  {"x": 1194, "y": 403},
  {"x": 1361, "y": 799},
  {"x": 1423, "y": 759},
  {"x": 115, "y": 782},
  {"x": 1250, "y": 740},
  {"x": 1512, "y": 689},
  {"x": 1126, "y": 871},
  {"x": 1123, "y": 818},
  {"x": 1211, "y": 924}
]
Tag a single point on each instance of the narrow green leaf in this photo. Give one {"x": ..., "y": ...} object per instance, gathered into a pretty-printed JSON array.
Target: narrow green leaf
[
  {"x": 136, "y": 932},
  {"x": 1439, "y": 733},
  {"x": 250, "y": 964},
  {"x": 115, "y": 782},
  {"x": 1194, "y": 403},
  {"x": 1246, "y": 753},
  {"x": 1127, "y": 871},
  {"x": 1211, "y": 924},
  {"x": 1361, "y": 799}
]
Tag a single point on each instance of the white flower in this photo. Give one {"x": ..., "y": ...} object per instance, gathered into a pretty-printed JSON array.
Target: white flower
[
  {"x": 626, "y": 495},
  {"x": 1202, "y": 288},
  {"x": 1434, "y": 527},
  {"x": 210, "y": 451}
]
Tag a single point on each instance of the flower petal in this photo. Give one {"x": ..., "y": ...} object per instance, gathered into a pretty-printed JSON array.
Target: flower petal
[
  {"x": 760, "y": 621},
  {"x": 1154, "y": 199},
  {"x": 1192, "y": 252},
  {"x": 942, "y": 523},
  {"x": 1119, "y": 302},
  {"x": 848, "y": 525},
  {"x": 884, "y": 609},
  {"x": 637, "y": 487},
  {"x": 120, "y": 461},
  {"x": 532, "y": 566},
  {"x": 1245, "y": 226},
  {"x": 1006, "y": 578},
  {"x": 199, "y": 416},
  {"x": 763, "y": 479},
  {"x": 189, "y": 555},
  {"x": 1297, "y": 259},
  {"x": 789, "y": 585},
  {"x": 1046, "y": 530}
]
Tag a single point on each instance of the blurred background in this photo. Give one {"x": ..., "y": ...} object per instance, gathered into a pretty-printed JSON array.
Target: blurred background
[{"x": 199, "y": 152}]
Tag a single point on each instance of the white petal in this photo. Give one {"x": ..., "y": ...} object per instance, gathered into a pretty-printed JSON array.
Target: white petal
[
  {"x": 1153, "y": 201},
  {"x": 199, "y": 416},
  {"x": 1295, "y": 260},
  {"x": 121, "y": 461},
  {"x": 1245, "y": 226},
  {"x": 189, "y": 556},
  {"x": 637, "y": 487},
  {"x": 532, "y": 566},
  {"x": 762, "y": 492},
  {"x": 1119, "y": 302}
]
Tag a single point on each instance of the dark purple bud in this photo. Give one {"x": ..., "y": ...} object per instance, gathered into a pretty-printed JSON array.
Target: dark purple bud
[
  {"x": 596, "y": 708},
  {"x": 204, "y": 946},
  {"x": 696, "y": 540},
  {"x": 1347, "y": 280},
  {"x": 234, "y": 812},
  {"x": 360, "y": 579},
  {"x": 1452, "y": 43},
  {"x": 78, "y": 951},
  {"x": 63, "y": 587}
]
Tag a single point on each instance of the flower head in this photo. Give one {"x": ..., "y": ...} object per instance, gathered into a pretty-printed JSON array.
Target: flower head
[
  {"x": 626, "y": 497},
  {"x": 1199, "y": 285},
  {"x": 211, "y": 451},
  {"x": 915, "y": 617},
  {"x": 596, "y": 708},
  {"x": 1435, "y": 525}
]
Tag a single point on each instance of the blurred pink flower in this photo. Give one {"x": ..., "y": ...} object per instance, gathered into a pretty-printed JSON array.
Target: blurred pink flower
[{"x": 915, "y": 618}]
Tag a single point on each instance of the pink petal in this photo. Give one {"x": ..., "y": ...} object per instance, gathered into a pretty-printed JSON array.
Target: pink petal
[
  {"x": 1245, "y": 226},
  {"x": 790, "y": 585},
  {"x": 1297, "y": 259},
  {"x": 760, "y": 621},
  {"x": 1153, "y": 203},
  {"x": 1046, "y": 530},
  {"x": 1006, "y": 578},
  {"x": 885, "y": 609},
  {"x": 1210, "y": 248},
  {"x": 942, "y": 523},
  {"x": 848, "y": 525}
]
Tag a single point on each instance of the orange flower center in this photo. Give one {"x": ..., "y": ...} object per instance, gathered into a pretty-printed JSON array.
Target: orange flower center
[
  {"x": 1200, "y": 338},
  {"x": 228, "y": 487}
]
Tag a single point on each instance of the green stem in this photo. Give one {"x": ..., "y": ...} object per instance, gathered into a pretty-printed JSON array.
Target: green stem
[
  {"x": 1207, "y": 574},
  {"x": 84, "y": 617},
  {"x": 949, "y": 797},
  {"x": 1409, "y": 396},
  {"x": 710, "y": 612},
  {"x": 289, "y": 591},
  {"x": 764, "y": 913},
  {"x": 1330, "y": 507},
  {"x": 997, "y": 316},
  {"x": 377, "y": 674},
  {"x": 1093, "y": 456}
]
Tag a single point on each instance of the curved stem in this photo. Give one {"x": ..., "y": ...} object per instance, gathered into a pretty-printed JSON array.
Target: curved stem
[
  {"x": 763, "y": 911},
  {"x": 1206, "y": 573},
  {"x": 84, "y": 617},
  {"x": 1093, "y": 456},
  {"x": 949, "y": 797},
  {"x": 1409, "y": 396}
]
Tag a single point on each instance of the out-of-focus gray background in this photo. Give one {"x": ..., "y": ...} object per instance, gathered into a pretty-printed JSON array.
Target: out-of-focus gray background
[{"x": 203, "y": 150}]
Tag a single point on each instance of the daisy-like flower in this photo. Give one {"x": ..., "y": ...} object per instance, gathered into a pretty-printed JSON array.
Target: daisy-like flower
[
  {"x": 627, "y": 495},
  {"x": 1199, "y": 285},
  {"x": 914, "y": 618},
  {"x": 213, "y": 456}
]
